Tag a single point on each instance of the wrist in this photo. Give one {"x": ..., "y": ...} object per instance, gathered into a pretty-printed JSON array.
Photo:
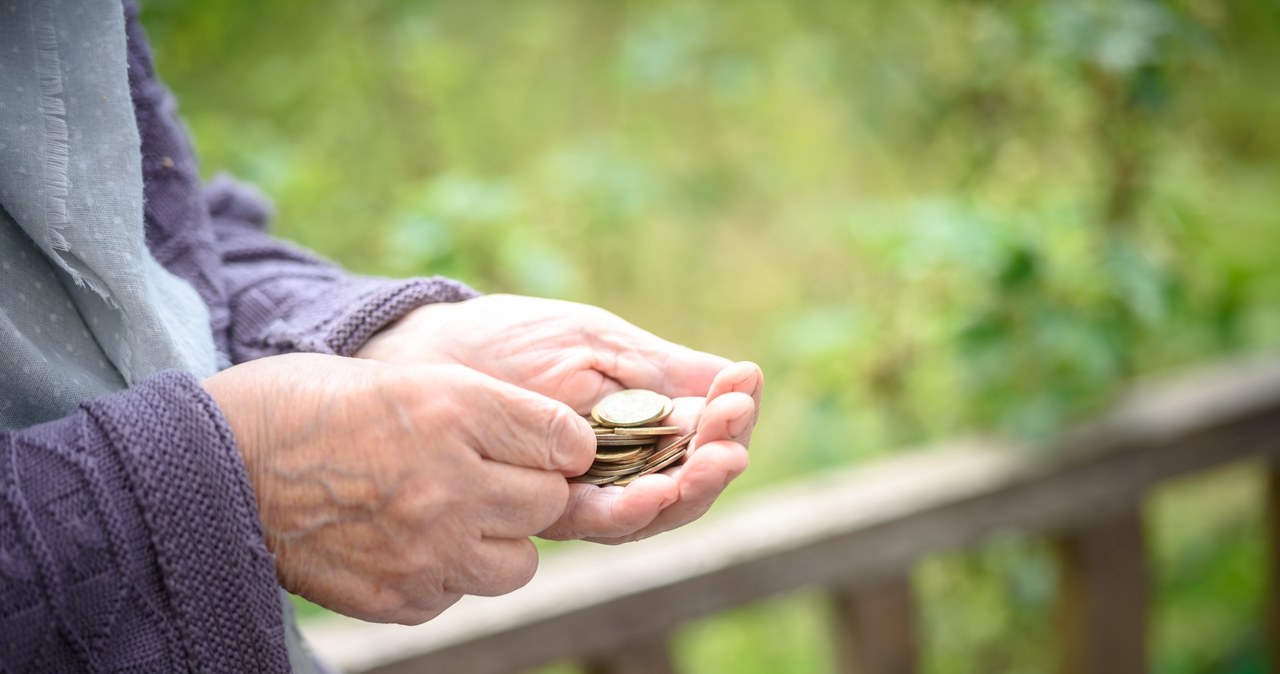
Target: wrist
[{"x": 410, "y": 336}]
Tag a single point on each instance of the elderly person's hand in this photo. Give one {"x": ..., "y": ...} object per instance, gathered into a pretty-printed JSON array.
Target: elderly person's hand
[
  {"x": 388, "y": 492},
  {"x": 577, "y": 354}
]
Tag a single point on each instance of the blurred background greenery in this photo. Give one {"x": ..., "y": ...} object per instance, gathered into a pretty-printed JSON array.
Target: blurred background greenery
[{"x": 921, "y": 218}]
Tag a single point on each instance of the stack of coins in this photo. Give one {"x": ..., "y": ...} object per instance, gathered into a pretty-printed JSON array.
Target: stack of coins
[{"x": 627, "y": 438}]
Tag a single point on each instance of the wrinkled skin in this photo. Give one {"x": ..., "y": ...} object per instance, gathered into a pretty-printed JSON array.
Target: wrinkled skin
[
  {"x": 577, "y": 354},
  {"x": 387, "y": 492},
  {"x": 391, "y": 484}
]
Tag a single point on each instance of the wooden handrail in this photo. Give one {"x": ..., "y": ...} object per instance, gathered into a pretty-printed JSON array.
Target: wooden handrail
[{"x": 853, "y": 527}]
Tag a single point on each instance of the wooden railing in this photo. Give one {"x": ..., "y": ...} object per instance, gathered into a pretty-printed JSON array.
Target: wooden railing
[{"x": 858, "y": 534}]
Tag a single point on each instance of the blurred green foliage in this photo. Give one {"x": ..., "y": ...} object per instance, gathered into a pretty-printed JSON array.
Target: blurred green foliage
[{"x": 921, "y": 218}]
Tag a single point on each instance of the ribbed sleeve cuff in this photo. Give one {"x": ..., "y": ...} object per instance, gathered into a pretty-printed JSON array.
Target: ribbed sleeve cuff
[
  {"x": 201, "y": 515},
  {"x": 342, "y": 318}
]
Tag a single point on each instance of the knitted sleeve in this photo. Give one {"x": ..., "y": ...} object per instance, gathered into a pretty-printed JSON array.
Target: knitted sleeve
[
  {"x": 130, "y": 541},
  {"x": 283, "y": 298}
]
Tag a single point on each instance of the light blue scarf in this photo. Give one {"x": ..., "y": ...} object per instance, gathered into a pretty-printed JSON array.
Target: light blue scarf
[{"x": 84, "y": 307}]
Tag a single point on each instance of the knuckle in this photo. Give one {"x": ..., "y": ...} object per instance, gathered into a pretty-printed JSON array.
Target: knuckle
[
  {"x": 552, "y": 503},
  {"x": 421, "y": 614},
  {"x": 569, "y": 442},
  {"x": 568, "y": 525},
  {"x": 524, "y": 564},
  {"x": 384, "y": 605},
  {"x": 442, "y": 397},
  {"x": 497, "y": 573},
  {"x": 409, "y": 405}
]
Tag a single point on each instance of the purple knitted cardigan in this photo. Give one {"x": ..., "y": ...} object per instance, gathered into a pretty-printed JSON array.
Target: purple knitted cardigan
[{"x": 129, "y": 533}]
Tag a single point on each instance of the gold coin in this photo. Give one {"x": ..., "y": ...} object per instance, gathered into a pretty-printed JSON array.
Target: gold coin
[
  {"x": 594, "y": 479},
  {"x": 632, "y": 407},
  {"x": 616, "y": 472},
  {"x": 622, "y": 440},
  {"x": 661, "y": 459},
  {"x": 648, "y": 430},
  {"x": 624, "y": 456},
  {"x": 656, "y": 464},
  {"x": 651, "y": 469},
  {"x": 622, "y": 466},
  {"x": 682, "y": 441},
  {"x": 637, "y": 464}
]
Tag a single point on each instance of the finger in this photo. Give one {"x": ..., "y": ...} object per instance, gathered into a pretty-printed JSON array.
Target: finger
[
  {"x": 612, "y": 511},
  {"x": 688, "y": 410},
  {"x": 495, "y": 566},
  {"x": 743, "y": 377},
  {"x": 512, "y": 425},
  {"x": 637, "y": 358},
  {"x": 700, "y": 480},
  {"x": 518, "y": 502},
  {"x": 727, "y": 417}
]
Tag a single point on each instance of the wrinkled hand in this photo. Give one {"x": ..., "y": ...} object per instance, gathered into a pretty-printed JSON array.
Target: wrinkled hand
[
  {"x": 578, "y": 354},
  {"x": 388, "y": 492}
]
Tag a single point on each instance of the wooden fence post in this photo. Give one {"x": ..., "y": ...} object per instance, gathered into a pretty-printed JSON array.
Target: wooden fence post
[
  {"x": 875, "y": 628},
  {"x": 1103, "y": 596},
  {"x": 649, "y": 657}
]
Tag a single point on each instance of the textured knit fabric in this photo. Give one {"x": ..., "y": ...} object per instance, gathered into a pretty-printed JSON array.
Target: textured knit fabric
[
  {"x": 118, "y": 555},
  {"x": 283, "y": 299},
  {"x": 129, "y": 535},
  {"x": 71, "y": 190}
]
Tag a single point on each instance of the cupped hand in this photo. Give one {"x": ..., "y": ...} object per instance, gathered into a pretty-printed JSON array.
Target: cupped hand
[
  {"x": 662, "y": 501},
  {"x": 386, "y": 493},
  {"x": 578, "y": 354}
]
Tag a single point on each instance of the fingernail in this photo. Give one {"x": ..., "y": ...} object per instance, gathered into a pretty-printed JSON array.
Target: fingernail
[
  {"x": 751, "y": 374},
  {"x": 755, "y": 385}
]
